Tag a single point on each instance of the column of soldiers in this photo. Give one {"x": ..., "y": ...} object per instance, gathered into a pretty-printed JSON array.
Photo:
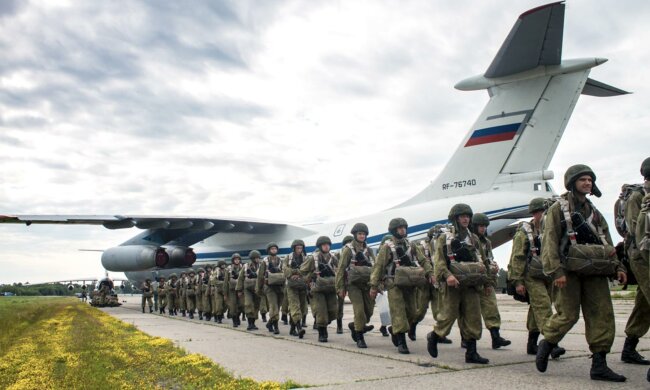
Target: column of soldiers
[{"x": 563, "y": 258}]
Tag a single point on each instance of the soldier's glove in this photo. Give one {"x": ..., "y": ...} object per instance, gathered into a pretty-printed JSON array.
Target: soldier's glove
[{"x": 360, "y": 257}]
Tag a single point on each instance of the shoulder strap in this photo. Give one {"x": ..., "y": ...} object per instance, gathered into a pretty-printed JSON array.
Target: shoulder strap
[{"x": 565, "y": 208}]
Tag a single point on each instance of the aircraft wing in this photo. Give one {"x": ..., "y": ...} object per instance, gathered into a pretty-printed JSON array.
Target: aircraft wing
[{"x": 163, "y": 230}]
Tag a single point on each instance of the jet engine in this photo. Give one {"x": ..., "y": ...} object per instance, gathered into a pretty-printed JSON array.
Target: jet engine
[
  {"x": 134, "y": 258},
  {"x": 180, "y": 257},
  {"x": 70, "y": 287}
]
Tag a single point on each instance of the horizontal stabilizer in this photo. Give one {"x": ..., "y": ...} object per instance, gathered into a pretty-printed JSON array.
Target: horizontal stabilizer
[
  {"x": 596, "y": 88},
  {"x": 535, "y": 39}
]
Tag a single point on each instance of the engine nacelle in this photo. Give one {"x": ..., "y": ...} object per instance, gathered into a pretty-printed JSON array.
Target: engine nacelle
[
  {"x": 134, "y": 258},
  {"x": 180, "y": 257},
  {"x": 70, "y": 287}
]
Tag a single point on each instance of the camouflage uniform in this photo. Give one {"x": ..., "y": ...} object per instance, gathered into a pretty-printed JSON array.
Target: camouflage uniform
[
  {"x": 216, "y": 285},
  {"x": 323, "y": 304},
  {"x": 199, "y": 288},
  {"x": 591, "y": 293},
  {"x": 182, "y": 299},
  {"x": 207, "y": 294},
  {"x": 162, "y": 295},
  {"x": 248, "y": 276},
  {"x": 639, "y": 321},
  {"x": 274, "y": 294},
  {"x": 460, "y": 302},
  {"x": 190, "y": 293},
  {"x": 147, "y": 294},
  {"x": 235, "y": 303},
  {"x": 171, "y": 289},
  {"x": 297, "y": 296},
  {"x": 489, "y": 306},
  {"x": 356, "y": 254},
  {"x": 399, "y": 252}
]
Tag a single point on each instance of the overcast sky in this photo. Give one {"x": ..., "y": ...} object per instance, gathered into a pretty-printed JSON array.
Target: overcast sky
[{"x": 283, "y": 110}]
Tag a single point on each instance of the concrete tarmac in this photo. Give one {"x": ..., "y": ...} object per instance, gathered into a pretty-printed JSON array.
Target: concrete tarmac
[{"x": 339, "y": 364}]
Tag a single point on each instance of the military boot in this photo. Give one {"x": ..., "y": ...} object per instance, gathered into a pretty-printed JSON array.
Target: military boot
[
  {"x": 368, "y": 328},
  {"x": 183, "y": 313},
  {"x": 150, "y": 309},
  {"x": 263, "y": 317},
  {"x": 432, "y": 344},
  {"x": 191, "y": 314},
  {"x": 322, "y": 338},
  {"x": 531, "y": 346},
  {"x": 401, "y": 344},
  {"x": 276, "y": 328},
  {"x": 304, "y": 321},
  {"x": 339, "y": 326},
  {"x": 269, "y": 326},
  {"x": 208, "y": 316},
  {"x": 300, "y": 330},
  {"x": 444, "y": 340},
  {"x": 353, "y": 333},
  {"x": 284, "y": 319},
  {"x": 472, "y": 356},
  {"x": 543, "y": 352},
  {"x": 497, "y": 340},
  {"x": 143, "y": 309},
  {"x": 384, "y": 331},
  {"x": 219, "y": 319},
  {"x": 243, "y": 317},
  {"x": 599, "y": 370},
  {"x": 393, "y": 336},
  {"x": 630, "y": 355},
  {"x": 251, "y": 324},
  {"x": 361, "y": 342},
  {"x": 412, "y": 329},
  {"x": 234, "y": 322},
  {"x": 292, "y": 330},
  {"x": 557, "y": 352},
  {"x": 200, "y": 315},
  {"x": 162, "y": 310}
]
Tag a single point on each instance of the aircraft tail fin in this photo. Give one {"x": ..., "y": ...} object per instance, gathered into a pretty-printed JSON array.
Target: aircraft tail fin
[{"x": 532, "y": 95}]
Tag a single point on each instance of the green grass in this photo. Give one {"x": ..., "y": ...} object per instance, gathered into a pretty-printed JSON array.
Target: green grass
[{"x": 63, "y": 343}]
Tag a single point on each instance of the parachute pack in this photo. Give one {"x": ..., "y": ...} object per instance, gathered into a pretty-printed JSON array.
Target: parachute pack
[{"x": 619, "y": 207}]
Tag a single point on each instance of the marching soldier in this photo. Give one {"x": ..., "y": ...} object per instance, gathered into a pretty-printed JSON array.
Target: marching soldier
[
  {"x": 271, "y": 283},
  {"x": 489, "y": 307},
  {"x": 352, "y": 278},
  {"x": 246, "y": 288},
  {"x": 147, "y": 294},
  {"x": 296, "y": 287},
  {"x": 198, "y": 291},
  {"x": 172, "y": 294},
  {"x": 162, "y": 295},
  {"x": 182, "y": 287},
  {"x": 319, "y": 271},
  {"x": 526, "y": 273},
  {"x": 642, "y": 231},
  {"x": 639, "y": 321},
  {"x": 229, "y": 286},
  {"x": 458, "y": 256},
  {"x": 207, "y": 294},
  {"x": 216, "y": 285},
  {"x": 576, "y": 235},
  {"x": 154, "y": 287},
  {"x": 190, "y": 293},
  {"x": 340, "y": 302},
  {"x": 402, "y": 267}
]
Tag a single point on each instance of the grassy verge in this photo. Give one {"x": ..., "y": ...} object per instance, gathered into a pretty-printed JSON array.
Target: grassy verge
[{"x": 57, "y": 343}]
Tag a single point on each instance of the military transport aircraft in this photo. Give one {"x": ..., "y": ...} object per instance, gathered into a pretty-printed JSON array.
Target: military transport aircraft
[{"x": 532, "y": 91}]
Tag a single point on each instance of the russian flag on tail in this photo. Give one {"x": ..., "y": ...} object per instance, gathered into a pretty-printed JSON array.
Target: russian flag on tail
[{"x": 493, "y": 134}]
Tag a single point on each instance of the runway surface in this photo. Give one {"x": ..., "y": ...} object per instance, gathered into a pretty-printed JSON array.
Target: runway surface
[{"x": 340, "y": 364}]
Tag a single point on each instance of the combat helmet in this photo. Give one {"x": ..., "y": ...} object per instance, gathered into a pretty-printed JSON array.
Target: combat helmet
[
  {"x": 200, "y": 270},
  {"x": 347, "y": 240},
  {"x": 645, "y": 168},
  {"x": 221, "y": 263},
  {"x": 296, "y": 242},
  {"x": 173, "y": 276},
  {"x": 480, "y": 219},
  {"x": 271, "y": 245},
  {"x": 459, "y": 209},
  {"x": 235, "y": 256},
  {"x": 254, "y": 255},
  {"x": 323, "y": 240},
  {"x": 396, "y": 223},
  {"x": 537, "y": 204},
  {"x": 359, "y": 227},
  {"x": 575, "y": 172}
]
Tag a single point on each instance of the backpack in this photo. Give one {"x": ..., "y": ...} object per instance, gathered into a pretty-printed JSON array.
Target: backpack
[{"x": 619, "y": 207}]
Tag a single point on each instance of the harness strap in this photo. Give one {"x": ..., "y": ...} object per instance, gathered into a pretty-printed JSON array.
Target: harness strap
[{"x": 564, "y": 206}]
